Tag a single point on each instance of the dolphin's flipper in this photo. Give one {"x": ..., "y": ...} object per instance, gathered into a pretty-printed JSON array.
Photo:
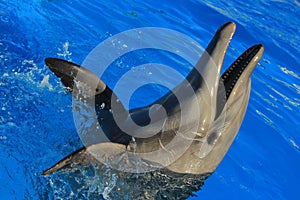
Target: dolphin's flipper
[
  {"x": 88, "y": 155},
  {"x": 94, "y": 90},
  {"x": 77, "y": 156},
  {"x": 67, "y": 72}
]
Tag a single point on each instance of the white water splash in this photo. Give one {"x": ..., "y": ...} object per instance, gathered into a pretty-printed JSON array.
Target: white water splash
[
  {"x": 45, "y": 83},
  {"x": 64, "y": 52}
]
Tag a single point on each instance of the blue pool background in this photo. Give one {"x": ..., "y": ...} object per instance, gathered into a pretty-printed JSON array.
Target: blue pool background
[{"x": 36, "y": 124}]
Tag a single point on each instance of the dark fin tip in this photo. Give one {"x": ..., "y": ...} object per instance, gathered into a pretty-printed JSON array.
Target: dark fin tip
[{"x": 63, "y": 162}]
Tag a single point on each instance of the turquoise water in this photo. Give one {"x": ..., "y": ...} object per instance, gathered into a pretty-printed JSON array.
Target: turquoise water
[{"x": 36, "y": 124}]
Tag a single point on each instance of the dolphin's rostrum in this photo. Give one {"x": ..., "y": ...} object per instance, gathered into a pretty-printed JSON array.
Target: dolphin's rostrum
[{"x": 221, "y": 99}]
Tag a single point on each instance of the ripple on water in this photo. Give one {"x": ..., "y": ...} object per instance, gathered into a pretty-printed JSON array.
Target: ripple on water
[
  {"x": 290, "y": 72},
  {"x": 294, "y": 144}
]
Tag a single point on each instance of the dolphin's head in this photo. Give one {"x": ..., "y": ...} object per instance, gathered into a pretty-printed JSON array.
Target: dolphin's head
[
  {"x": 224, "y": 112},
  {"x": 222, "y": 100}
]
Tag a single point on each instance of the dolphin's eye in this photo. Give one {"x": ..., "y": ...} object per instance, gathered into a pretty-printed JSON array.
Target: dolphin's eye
[{"x": 97, "y": 90}]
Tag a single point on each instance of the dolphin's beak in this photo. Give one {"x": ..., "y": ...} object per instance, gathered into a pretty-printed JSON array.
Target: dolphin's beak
[
  {"x": 211, "y": 61},
  {"x": 218, "y": 45},
  {"x": 242, "y": 68}
]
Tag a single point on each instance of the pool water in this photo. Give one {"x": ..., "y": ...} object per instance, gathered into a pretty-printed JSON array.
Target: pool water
[{"x": 36, "y": 124}]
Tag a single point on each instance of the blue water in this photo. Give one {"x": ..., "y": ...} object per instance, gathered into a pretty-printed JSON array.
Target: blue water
[{"x": 36, "y": 124}]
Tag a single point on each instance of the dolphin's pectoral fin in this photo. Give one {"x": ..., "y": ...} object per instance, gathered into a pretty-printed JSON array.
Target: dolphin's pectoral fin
[
  {"x": 84, "y": 83},
  {"x": 80, "y": 81},
  {"x": 63, "y": 69},
  {"x": 87, "y": 87},
  {"x": 76, "y": 157},
  {"x": 105, "y": 152}
]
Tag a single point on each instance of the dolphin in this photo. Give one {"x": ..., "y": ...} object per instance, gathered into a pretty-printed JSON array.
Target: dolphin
[{"x": 219, "y": 101}]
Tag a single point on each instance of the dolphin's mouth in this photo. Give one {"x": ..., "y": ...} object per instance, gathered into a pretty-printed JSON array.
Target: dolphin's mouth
[{"x": 231, "y": 76}]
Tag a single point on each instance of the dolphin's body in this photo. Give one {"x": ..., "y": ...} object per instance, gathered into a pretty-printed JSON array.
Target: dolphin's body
[{"x": 222, "y": 103}]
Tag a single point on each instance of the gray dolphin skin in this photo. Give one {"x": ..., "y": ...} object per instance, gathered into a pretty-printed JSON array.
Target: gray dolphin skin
[{"x": 221, "y": 99}]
